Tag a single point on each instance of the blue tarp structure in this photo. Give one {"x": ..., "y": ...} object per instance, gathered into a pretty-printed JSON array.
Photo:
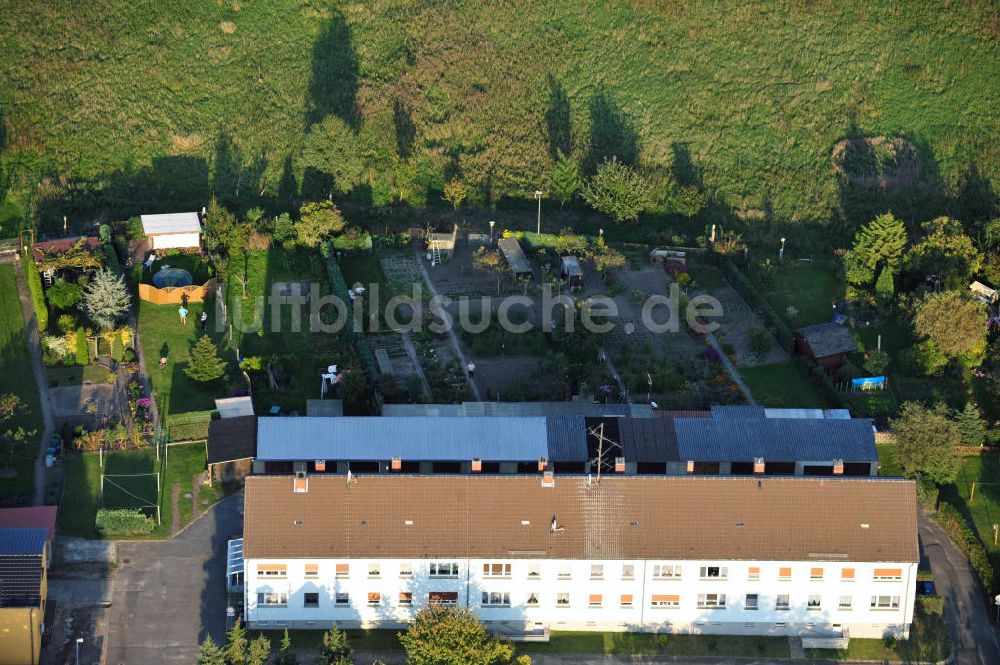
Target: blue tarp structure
[{"x": 869, "y": 383}]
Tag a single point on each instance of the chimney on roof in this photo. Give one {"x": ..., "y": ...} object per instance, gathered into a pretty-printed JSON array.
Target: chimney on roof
[
  {"x": 397, "y": 464},
  {"x": 690, "y": 467},
  {"x": 300, "y": 484},
  {"x": 321, "y": 465},
  {"x": 477, "y": 465},
  {"x": 619, "y": 465},
  {"x": 542, "y": 463},
  {"x": 548, "y": 479},
  {"x": 758, "y": 465},
  {"x": 838, "y": 467}
]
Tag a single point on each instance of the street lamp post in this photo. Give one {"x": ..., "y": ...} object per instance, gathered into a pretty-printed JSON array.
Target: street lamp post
[
  {"x": 538, "y": 195},
  {"x": 492, "y": 223},
  {"x": 79, "y": 641},
  {"x": 781, "y": 252},
  {"x": 996, "y": 601}
]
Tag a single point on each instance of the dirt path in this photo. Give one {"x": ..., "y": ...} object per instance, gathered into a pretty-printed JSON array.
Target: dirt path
[
  {"x": 33, "y": 339},
  {"x": 175, "y": 515},
  {"x": 455, "y": 344},
  {"x": 731, "y": 368}
]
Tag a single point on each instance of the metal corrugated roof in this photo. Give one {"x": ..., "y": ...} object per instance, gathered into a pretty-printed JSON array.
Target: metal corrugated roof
[
  {"x": 514, "y": 255},
  {"x": 572, "y": 408},
  {"x": 22, "y": 541},
  {"x": 174, "y": 222},
  {"x": 418, "y": 438},
  {"x": 776, "y": 439},
  {"x": 567, "y": 438}
]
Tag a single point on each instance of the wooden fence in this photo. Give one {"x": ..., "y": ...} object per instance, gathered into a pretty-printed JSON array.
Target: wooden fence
[{"x": 170, "y": 295}]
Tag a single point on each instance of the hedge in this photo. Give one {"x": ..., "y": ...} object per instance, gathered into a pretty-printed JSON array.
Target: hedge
[
  {"x": 772, "y": 320},
  {"x": 965, "y": 539},
  {"x": 37, "y": 292},
  {"x": 190, "y": 426},
  {"x": 563, "y": 244},
  {"x": 358, "y": 341},
  {"x": 123, "y": 522}
]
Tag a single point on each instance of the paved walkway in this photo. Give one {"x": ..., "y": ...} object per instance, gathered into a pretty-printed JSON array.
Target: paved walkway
[
  {"x": 411, "y": 351},
  {"x": 455, "y": 344},
  {"x": 35, "y": 351},
  {"x": 965, "y": 611},
  {"x": 731, "y": 368}
]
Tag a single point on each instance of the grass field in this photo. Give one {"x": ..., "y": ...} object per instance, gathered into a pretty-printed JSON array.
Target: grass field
[
  {"x": 76, "y": 375},
  {"x": 782, "y": 385},
  {"x": 750, "y": 99},
  {"x": 16, "y": 377},
  {"x": 82, "y": 495},
  {"x": 808, "y": 287},
  {"x": 580, "y": 642},
  {"x": 163, "y": 336},
  {"x": 984, "y": 506}
]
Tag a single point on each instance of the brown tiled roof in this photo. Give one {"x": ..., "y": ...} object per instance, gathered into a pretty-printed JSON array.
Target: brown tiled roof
[
  {"x": 624, "y": 517},
  {"x": 40, "y": 517},
  {"x": 55, "y": 247}
]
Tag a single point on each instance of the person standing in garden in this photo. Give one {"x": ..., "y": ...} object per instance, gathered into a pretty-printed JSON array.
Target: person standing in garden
[{"x": 182, "y": 311}]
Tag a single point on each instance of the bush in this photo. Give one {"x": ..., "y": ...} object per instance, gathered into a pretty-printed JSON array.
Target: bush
[
  {"x": 37, "y": 292},
  {"x": 966, "y": 540},
  {"x": 66, "y": 323},
  {"x": 82, "y": 352},
  {"x": 63, "y": 295},
  {"x": 760, "y": 342},
  {"x": 927, "y": 492},
  {"x": 123, "y": 522}
]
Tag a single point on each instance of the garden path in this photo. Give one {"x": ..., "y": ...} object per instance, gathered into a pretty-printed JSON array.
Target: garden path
[
  {"x": 455, "y": 344},
  {"x": 731, "y": 368},
  {"x": 35, "y": 351}
]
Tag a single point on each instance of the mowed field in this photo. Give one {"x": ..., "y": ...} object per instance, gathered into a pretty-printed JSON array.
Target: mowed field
[{"x": 182, "y": 98}]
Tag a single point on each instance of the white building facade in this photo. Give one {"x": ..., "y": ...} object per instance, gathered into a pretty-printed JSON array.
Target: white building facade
[
  {"x": 728, "y": 597},
  {"x": 534, "y": 587}
]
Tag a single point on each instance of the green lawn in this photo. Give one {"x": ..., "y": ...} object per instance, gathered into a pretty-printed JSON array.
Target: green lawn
[
  {"x": 76, "y": 375},
  {"x": 810, "y": 287},
  {"x": 162, "y": 335},
  {"x": 300, "y": 354},
  {"x": 781, "y": 385},
  {"x": 579, "y": 642},
  {"x": 887, "y": 460},
  {"x": 16, "y": 377},
  {"x": 929, "y": 641},
  {"x": 984, "y": 506},
  {"x": 82, "y": 496},
  {"x": 751, "y": 99}
]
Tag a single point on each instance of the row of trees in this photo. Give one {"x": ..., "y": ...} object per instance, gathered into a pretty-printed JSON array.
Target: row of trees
[
  {"x": 437, "y": 636},
  {"x": 928, "y": 436}
]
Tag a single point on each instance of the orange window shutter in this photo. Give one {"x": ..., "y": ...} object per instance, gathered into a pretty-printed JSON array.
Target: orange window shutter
[
  {"x": 374, "y": 597},
  {"x": 272, "y": 567},
  {"x": 784, "y": 572},
  {"x": 343, "y": 568},
  {"x": 312, "y": 568},
  {"x": 815, "y": 572},
  {"x": 406, "y": 595},
  {"x": 755, "y": 570},
  {"x": 596, "y": 598},
  {"x": 626, "y": 599},
  {"x": 666, "y": 598},
  {"x": 847, "y": 574},
  {"x": 888, "y": 572}
]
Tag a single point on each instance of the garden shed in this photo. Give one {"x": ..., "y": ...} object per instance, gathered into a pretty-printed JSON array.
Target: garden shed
[
  {"x": 572, "y": 272},
  {"x": 515, "y": 257},
  {"x": 56, "y": 256},
  {"x": 983, "y": 293},
  {"x": 826, "y": 343},
  {"x": 176, "y": 230}
]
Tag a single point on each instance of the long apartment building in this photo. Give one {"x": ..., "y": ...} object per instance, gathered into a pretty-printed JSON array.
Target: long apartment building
[{"x": 707, "y": 554}]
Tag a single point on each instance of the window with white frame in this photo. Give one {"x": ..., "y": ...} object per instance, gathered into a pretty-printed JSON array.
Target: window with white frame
[
  {"x": 782, "y": 602},
  {"x": 272, "y": 570},
  {"x": 374, "y": 569},
  {"x": 406, "y": 598},
  {"x": 532, "y": 599},
  {"x": 814, "y": 602},
  {"x": 310, "y": 599},
  {"x": 711, "y": 601},
  {"x": 496, "y": 570},
  {"x": 753, "y": 573},
  {"x": 374, "y": 599},
  {"x": 406, "y": 570},
  {"x": 595, "y": 600},
  {"x": 713, "y": 573},
  {"x": 272, "y": 598},
  {"x": 626, "y": 600},
  {"x": 887, "y": 574},
  {"x": 342, "y": 599},
  {"x": 534, "y": 571},
  {"x": 496, "y": 599},
  {"x": 343, "y": 570},
  {"x": 597, "y": 571},
  {"x": 444, "y": 569},
  {"x": 312, "y": 571},
  {"x": 885, "y": 603},
  {"x": 666, "y": 571},
  {"x": 628, "y": 571},
  {"x": 845, "y": 602},
  {"x": 562, "y": 599},
  {"x": 565, "y": 572},
  {"x": 750, "y": 602},
  {"x": 664, "y": 600},
  {"x": 443, "y": 598}
]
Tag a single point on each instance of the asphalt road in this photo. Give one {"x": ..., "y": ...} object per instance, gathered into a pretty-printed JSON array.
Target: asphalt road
[
  {"x": 965, "y": 611},
  {"x": 169, "y": 595}
]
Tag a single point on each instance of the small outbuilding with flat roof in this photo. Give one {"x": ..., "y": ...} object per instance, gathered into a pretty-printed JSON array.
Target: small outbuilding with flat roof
[
  {"x": 176, "y": 230},
  {"x": 515, "y": 257},
  {"x": 826, "y": 343}
]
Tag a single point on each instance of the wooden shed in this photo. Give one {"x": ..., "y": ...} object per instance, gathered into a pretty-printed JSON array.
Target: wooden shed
[
  {"x": 572, "y": 273},
  {"x": 826, "y": 343},
  {"x": 515, "y": 257},
  {"x": 176, "y": 230}
]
